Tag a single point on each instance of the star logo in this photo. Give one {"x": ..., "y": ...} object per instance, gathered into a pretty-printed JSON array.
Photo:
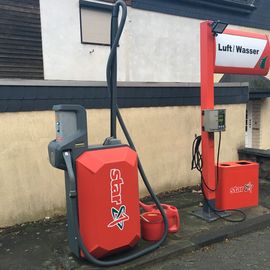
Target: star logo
[
  {"x": 263, "y": 62},
  {"x": 119, "y": 217},
  {"x": 248, "y": 187}
]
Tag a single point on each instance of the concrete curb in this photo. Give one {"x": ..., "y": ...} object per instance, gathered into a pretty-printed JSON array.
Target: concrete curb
[{"x": 197, "y": 242}]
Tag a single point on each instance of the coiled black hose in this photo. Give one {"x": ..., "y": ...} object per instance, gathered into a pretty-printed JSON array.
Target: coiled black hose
[{"x": 198, "y": 164}]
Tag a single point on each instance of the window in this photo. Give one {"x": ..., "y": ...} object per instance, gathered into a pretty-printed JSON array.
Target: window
[
  {"x": 20, "y": 40},
  {"x": 253, "y": 124},
  {"x": 95, "y": 22}
]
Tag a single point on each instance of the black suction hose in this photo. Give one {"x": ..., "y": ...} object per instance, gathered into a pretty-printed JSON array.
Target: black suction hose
[
  {"x": 145, "y": 180},
  {"x": 68, "y": 160},
  {"x": 112, "y": 83},
  {"x": 111, "y": 75}
]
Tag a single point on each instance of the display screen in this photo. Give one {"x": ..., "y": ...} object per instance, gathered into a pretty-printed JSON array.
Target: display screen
[{"x": 221, "y": 118}]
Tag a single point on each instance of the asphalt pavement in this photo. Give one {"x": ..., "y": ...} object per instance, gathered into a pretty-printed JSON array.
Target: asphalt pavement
[
  {"x": 250, "y": 251},
  {"x": 43, "y": 244}
]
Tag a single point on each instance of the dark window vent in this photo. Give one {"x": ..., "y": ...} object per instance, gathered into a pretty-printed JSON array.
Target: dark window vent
[{"x": 20, "y": 40}]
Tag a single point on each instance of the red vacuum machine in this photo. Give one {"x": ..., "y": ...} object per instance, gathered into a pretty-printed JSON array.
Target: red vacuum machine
[{"x": 102, "y": 193}]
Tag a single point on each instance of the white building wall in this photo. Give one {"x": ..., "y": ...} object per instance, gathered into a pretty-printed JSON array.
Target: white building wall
[{"x": 154, "y": 47}]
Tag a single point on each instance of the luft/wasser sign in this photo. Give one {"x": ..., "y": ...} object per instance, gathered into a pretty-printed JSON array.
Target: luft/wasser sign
[{"x": 242, "y": 53}]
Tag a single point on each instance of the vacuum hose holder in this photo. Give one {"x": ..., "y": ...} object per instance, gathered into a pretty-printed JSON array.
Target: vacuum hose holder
[
  {"x": 72, "y": 180},
  {"x": 112, "y": 72}
]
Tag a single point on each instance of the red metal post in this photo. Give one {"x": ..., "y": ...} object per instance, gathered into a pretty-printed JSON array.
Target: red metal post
[{"x": 207, "y": 102}]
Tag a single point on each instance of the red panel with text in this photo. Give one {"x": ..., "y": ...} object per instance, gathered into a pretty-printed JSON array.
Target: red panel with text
[
  {"x": 237, "y": 185},
  {"x": 108, "y": 199}
]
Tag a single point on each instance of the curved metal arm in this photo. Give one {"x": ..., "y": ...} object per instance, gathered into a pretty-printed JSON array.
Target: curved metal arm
[{"x": 72, "y": 180}]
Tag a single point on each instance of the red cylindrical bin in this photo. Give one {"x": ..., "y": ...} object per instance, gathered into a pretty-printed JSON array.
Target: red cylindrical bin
[{"x": 152, "y": 226}]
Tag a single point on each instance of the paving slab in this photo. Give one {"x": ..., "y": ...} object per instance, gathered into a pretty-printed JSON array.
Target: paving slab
[{"x": 196, "y": 233}]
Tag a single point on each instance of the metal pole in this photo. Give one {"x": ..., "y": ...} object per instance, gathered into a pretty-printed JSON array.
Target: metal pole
[{"x": 207, "y": 102}]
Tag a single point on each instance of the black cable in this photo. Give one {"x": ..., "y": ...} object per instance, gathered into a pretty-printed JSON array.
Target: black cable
[
  {"x": 198, "y": 164},
  {"x": 145, "y": 180},
  {"x": 197, "y": 161}
]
